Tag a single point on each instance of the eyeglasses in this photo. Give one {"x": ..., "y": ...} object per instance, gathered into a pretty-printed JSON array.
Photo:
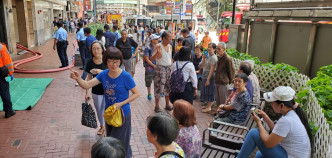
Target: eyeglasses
[
  {"x": 114, "y": 62},
  {"x": 96, "y": 48}
]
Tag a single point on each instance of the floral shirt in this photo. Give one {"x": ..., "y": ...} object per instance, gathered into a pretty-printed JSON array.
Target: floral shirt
[
  {"x": 190, "y": 141},
  {"x": 178, "y": 150},
  {"x": 241, "y": 106}
]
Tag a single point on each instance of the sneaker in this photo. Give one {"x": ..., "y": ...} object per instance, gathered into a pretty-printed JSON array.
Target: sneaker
[
  {"x": 9, "y": 114},
  {"x": 162, "y": 95},
  {"x": 149, "y": 97}
]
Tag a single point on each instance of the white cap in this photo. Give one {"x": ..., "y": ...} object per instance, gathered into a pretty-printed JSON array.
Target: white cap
[
  {"x": 130, "y": 36},
  {"x": 281, "y": 93},
  {"x": 153, "y": 37}
]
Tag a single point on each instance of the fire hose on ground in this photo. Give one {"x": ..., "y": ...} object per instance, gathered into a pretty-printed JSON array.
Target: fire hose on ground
[{"x": 38, "y": 55}]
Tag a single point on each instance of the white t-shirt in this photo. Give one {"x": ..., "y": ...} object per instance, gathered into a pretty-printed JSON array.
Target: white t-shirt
[{"x": 296, "y": 141}]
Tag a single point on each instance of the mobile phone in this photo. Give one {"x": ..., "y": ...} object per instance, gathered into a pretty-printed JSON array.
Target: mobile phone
[{"x": 255, "y": 110}]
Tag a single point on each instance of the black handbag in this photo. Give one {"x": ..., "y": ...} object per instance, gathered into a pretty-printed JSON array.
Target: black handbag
[{"x": 88, "y": 116}]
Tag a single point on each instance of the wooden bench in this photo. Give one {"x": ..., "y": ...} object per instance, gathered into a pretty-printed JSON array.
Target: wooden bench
[{"x": 228, "y": 138}]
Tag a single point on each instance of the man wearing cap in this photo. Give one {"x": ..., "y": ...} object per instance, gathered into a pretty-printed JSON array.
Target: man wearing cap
[
  {"x": 291, "y": 135},
  {"x": 148, "y": 64}
]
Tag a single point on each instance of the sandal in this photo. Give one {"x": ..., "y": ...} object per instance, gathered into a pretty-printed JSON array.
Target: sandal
[
  {"x": 206, "y": 110},
  {"x": 168, "y": 108},
  {"x": 101, "y": 131}
]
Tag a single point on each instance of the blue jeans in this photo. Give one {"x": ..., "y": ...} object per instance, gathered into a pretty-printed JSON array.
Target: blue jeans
[
  {"x": 5, "y": 96},
  {"x": 252, "y": 140}
]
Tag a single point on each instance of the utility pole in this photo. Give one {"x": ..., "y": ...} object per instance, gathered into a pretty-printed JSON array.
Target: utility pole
[
  {"x": 217, "y": 32},
  {"x": 138, "y": 7},
  {"x": 234, "y": 8},
  {"x": 95, "y": 10}
]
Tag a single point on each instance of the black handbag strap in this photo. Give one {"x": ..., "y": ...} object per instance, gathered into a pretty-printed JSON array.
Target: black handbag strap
[{"x": 170, "y": 153}]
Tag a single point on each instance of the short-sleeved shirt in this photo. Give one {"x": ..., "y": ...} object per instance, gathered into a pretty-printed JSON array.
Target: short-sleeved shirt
[
  {"x": 61, "y": 34},
  {"x": 80, "y": 35},
  {"x": 241, "y": 105},
  {"x": 178, "y": 150},
  {"x": 125, "y": 47},
  {"x": 117, "y": 37},
  {"x": 148, "y": 51},
  {"x": 296, "y": 141},
  {"x": 249, "y": 88},
  {"x": 206, "y": 40},
  {"x": 190, "y": 141},
  {"x": 209, "y": 62},
  {"x": 98, "y": 90},
  {"x": 89, "y": 40},
  {"x": 110, "y": 37},
  {"x": 117, "y": 89},
  {"x": 158, "y": 34},
  {"x": 191, "y": 34}
]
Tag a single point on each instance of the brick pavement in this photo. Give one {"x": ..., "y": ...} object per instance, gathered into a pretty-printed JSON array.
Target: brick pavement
[{"x": 53, "y": 128}]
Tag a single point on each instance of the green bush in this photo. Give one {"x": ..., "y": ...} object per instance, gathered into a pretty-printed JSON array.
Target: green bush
[
  {"x": 322, "y": 88},
  {"x": 242, "y": 56},
  {"x": 281, "y": 66},
  {"x": 94, "y": 27}
]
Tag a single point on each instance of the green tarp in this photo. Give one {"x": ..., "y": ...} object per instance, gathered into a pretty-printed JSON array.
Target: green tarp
[{"x": 26, "y": 92}]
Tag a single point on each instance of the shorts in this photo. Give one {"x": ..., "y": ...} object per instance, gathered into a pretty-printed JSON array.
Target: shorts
[{"x": 148, "y": 78}]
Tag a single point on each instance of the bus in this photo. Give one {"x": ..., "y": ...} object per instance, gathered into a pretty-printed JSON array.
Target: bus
[
  {"x": 165, "y": 19},
  {"x": 138, "y": 19}
]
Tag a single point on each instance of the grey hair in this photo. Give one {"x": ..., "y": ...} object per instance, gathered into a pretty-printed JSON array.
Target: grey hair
[
  {"x": 251, "y": 62},
  {"x": 223, "y": 44},
  {"x": 124, "y": 30}
]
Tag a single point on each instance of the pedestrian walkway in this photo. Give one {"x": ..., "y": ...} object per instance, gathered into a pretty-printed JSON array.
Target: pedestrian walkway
[{"x": 53, "y": 127}]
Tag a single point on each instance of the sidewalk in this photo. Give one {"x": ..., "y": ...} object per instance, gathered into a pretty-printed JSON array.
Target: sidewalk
[{"x": 53, "y": 127}]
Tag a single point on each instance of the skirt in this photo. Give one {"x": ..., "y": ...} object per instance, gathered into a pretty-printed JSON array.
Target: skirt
[
  {"x": 122, "y": 133},
  {"x": 187, "y": 95},
  {"x": 208, "y": 92}
]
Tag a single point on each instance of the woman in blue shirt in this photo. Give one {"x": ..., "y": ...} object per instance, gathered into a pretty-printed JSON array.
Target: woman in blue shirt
[{"x": 117, "y": 84}]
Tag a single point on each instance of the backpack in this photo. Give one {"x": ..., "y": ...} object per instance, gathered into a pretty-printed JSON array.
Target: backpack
[{"x": 177, "y": 83}]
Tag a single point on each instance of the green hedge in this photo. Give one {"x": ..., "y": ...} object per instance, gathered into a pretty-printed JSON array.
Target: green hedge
[{"x": 320, "y": 85}]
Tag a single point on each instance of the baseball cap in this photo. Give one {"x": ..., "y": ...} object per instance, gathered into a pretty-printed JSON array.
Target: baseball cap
[
  {"x": 281, "y": 93},
  {"x": 153, "y": 37}
]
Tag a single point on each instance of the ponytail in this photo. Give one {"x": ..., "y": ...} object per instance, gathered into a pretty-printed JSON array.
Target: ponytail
[{"x": 301, "y": 114}]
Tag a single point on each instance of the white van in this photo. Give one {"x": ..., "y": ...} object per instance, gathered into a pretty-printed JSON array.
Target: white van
[
  {"x": 137, "y": 19},
  {"x": 164, "y": 19}
]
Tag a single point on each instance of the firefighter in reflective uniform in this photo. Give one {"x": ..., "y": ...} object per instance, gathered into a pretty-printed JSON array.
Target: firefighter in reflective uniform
[{"x": 7, "y": 70}]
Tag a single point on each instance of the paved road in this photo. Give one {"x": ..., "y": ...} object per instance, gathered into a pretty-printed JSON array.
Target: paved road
[{"x": 53, "y": 129}]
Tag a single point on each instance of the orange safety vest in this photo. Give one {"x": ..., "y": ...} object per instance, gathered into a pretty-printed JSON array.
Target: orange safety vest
[{"x": 5, "y": 59}]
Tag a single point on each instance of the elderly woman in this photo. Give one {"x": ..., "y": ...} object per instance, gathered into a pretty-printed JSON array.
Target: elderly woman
[
  {"x": 291, "y": 135},
  {"x": 117, "y": 84},
  {"x": 93, "y": 67},
  {"x": 189, "y": 138},
  {"x": 189, "y": 76},
  {"x": 237, "y": 111},
  {"x": 208, "y": 85},
  {"x": 162, "y": 130}
]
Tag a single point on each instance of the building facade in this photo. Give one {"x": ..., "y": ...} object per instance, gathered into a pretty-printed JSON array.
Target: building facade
[{"x": 30, "y": 22}]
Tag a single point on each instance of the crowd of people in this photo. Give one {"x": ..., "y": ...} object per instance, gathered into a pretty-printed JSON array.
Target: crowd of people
[{"x": 175, "y": 64}]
